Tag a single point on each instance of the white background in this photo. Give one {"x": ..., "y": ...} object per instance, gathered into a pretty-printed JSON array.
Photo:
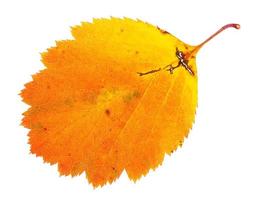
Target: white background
[{"x": 219, "y": 159}]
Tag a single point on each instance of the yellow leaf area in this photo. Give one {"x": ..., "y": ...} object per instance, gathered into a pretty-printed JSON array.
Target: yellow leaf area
[{"x": 92, "y": 112}]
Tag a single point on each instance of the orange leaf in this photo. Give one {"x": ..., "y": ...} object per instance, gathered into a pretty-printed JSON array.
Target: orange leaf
[{"x": 119, "y": 96}]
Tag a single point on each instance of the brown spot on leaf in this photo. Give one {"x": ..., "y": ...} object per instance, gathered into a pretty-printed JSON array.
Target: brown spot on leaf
[
  {"x": 114, "y": 169},
  {"x": 107, "y": 112},
  {"x": 162, "y": 31}
]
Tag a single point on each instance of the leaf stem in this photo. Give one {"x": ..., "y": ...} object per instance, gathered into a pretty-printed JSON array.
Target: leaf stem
[{"x": 196, "y": 49}]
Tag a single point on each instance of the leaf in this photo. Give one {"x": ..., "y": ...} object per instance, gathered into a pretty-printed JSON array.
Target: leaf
[{"x": 119, "y": 96}]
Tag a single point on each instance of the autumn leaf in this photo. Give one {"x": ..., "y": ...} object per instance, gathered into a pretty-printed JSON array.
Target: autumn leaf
[{"x": 119, "y": 96}]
